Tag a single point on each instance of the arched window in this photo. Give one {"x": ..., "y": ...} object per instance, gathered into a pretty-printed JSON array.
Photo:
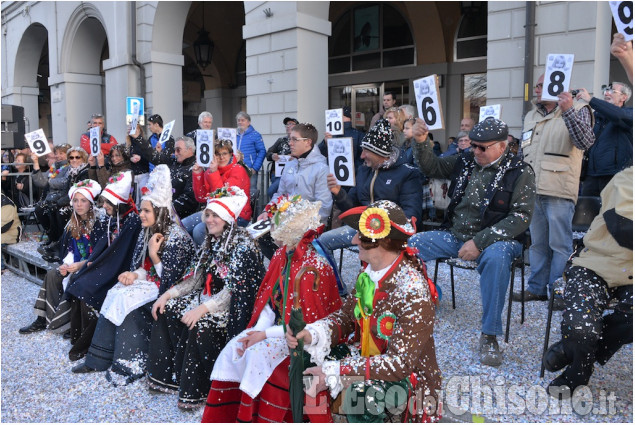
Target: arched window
[
  {"x": 471, "y": 36},
  {"x": 370, "y": 37}
]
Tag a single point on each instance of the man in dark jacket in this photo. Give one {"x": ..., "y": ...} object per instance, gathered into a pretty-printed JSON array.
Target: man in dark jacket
[
  {"x": 281, "y": 147},
  {"x": 492, "y": 200},
  {"x": 613, "y": 147},
  {"x": 385, "y": 175}
]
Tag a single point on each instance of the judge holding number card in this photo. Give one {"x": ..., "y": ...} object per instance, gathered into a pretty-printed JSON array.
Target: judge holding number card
[
  {"x": 555, "y": 134},
  {"x": 107, "y": 141}
]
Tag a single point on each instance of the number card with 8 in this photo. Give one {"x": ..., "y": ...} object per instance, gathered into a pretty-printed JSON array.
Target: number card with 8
[
  {"x": 429, "y": 101},
  {"x": 342, "y": 160},
  {"x": 95, "y": 143},
  {"x": 37, "y": 142},
  {"x": 259, "y": 228},
  {"x": 557, "y": 75},
  {"x": 204, "y": 147},
  {"x": 166, "y": 133},
  {"x": 334, "y": 121},
  {"x": 623, "y": 17}
]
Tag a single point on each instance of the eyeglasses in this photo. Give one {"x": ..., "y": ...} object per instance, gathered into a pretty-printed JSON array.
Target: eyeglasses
[
  {"x": 297, "y": 139},
  {"x": 483, "y": 148},
  {"x": 610, "y": 90},
  {"x": 538, "y": 86},
  {"x": 222, "y": 154},
  {"x": 74, "y": 157},
  {"x": 291, "y": 124}
]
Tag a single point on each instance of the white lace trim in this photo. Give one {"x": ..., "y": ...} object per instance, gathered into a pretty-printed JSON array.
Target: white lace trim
[
  {"x": 320, "y": 345},
  {"x": 219, "y": 302}
]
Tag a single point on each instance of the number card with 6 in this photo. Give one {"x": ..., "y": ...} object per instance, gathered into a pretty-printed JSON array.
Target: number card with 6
[
  {"x": 166, "y": 133},
  {"x": 95, "y": 142},
  {"x": 489, "y": 111},
  {"x": 334, "y": 121},
  {"x": 557, "y": 75},
  {"x": 623, "y": 17},
  {"x": 342, "y": 160},
  {"x": 37, "y": 142},
  {"x": 259, "y": 228},
  {"x": 204, "y": 147},
  {"x": 429, "y": 101}
]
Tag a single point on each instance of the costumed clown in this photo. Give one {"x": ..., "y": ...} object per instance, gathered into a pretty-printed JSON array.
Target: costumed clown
[
  {"x": 250, "y": 380},
  {"x": 391, "y": 312}
]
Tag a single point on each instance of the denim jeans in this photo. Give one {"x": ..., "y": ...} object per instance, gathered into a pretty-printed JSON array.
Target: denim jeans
[
  {"x": 494, "y": 266},
  {"x": 342, "y": 237},
  {"x": 551, "y": 241}
]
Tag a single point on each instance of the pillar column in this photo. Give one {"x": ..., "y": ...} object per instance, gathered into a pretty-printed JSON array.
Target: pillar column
[{"x": 287, "y": 64}]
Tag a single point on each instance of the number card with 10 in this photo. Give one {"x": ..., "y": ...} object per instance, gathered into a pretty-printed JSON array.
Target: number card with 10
[
  {"x": 204, "y": 147},
  {"x": 429, "y": 101},
  {"x": 557, "y": 75},
  {"x": 334, "y": 121},
  {"x": 95, "y": 142},
  {"x": 623, "y": 17},
  {"x": 342, "y": 160},
  {"x": 37, "y": 142}
]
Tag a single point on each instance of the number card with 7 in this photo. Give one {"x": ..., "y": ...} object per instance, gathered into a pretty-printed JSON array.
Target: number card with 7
[
  {"x": 204, "y": 147},
  {"x": 623, "y": 17},
  {"x": 95, "y": 142},
  {"x": 429, "y": 101},
  {"x": 334, "y": 121},
  {"x": 342, "y": 160},
  {"x": 557, "y": 75},
  {"x": 37, "y": 142}
]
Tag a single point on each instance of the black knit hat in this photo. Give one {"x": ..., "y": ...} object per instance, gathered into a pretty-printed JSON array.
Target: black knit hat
[
  {"x": 489, "y": 130},
  {"x": 379, "y": 138}
]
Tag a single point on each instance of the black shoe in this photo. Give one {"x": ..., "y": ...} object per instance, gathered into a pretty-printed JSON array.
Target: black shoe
[
  {"x": 51, "y": 258},
  {"x": 67, "y": 335},
  {"x": 82, "y": 368},
  {"x": 555, "y": 358},
  {"x": 558, "y": 302},
  {"x": 529, "y": 296},
  {"x": 76, "y": 356},
  {"x": 490, "y": 353},
  {"x": 38, "y": 325}
]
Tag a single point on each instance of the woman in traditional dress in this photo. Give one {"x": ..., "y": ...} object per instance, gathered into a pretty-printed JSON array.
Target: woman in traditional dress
[
  {"x": 84, "y": 231},
  {"x": 160, "y": 257},
  {"x": 391, "y": 312},
  {"x": 250, "y": 381},
  {"x": 88, "y": 288},
  {"x": 195, "y": 319}
]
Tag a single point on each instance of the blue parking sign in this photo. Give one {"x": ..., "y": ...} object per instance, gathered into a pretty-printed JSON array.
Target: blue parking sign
[{"x": 134, "y": 105}]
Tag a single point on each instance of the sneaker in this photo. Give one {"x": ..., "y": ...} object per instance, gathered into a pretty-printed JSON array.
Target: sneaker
[
  {"x": 529, "y": 296},
  {"x": 489, "y": 351},
  {"x": 38, "y": 325}
]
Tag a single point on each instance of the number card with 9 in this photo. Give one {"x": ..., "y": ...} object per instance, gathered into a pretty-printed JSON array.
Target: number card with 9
[
  {"x": 557, "y": 75},
  {"x": 429, "y": 101},
  {"x": 204, "y": 147},
  {"x": 342, "y": 160},
  {"x": 623, "y": 17},
  {"x": 37, "y": 142}
]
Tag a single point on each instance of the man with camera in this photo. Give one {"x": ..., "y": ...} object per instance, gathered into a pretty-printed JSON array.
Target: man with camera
[{"x": 555, "y": 134}]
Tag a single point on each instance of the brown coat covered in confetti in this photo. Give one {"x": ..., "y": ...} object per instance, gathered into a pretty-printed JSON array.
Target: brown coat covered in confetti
[{"x": 402, "y": 325}]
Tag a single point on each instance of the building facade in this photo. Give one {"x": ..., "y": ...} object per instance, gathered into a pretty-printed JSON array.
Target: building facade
[{"x": 64, "y": 61}]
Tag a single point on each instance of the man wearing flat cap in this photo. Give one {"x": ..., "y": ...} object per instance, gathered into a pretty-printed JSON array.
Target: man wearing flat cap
[
  {"x": 281, "y": 147},
  {"x": 492, "y": 200}
]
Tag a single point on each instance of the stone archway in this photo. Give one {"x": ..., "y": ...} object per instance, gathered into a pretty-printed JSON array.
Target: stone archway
[
  {"x": 79, "y": 88},
  {"x": 26, "y": 83}
]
